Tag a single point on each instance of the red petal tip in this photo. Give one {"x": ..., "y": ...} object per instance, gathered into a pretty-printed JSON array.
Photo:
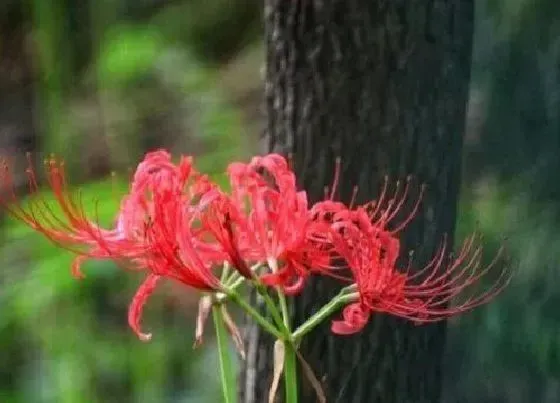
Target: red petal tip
[{"x": 137, "y": 306}]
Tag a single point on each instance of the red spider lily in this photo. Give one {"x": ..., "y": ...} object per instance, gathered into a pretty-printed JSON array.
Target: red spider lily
[
  {"x": 218, "y": 224},
  {"x": 175, "y": 200},
  {"x": 423, "y": 296},
  {"x": 272, "y": 222},
  {"x": 176, "y": 253},
  {"x": 70, "y": 228},
  {"x": 154, "y": 228},
  {"x": 381, "y": 218}
]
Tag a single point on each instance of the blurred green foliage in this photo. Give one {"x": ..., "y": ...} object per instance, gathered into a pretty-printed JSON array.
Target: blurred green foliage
[
  {"x": 127, "y": 52},
  {"x": 509, "y": 351}
]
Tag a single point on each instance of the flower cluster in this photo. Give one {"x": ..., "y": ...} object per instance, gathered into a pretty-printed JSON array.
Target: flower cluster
[{"x": 175, "y": 223}]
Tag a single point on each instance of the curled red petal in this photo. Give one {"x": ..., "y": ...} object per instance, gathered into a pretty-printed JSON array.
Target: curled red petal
[
  {"x": 290, "y": 283},
  {"x": 137, "y": 305},
  {"x": 354, "y": 319},
  {"x": 342, "y": 328},
  {"x": 295, "y": 287}
]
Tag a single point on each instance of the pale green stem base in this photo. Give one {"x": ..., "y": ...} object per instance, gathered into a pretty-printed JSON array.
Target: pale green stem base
[
  {"x": 227, "y": 373},
  {"x": 290, "y": 373}
]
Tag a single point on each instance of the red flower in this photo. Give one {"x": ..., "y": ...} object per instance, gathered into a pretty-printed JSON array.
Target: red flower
[
  {"x": 365, "y": 238},
  {"x": 174, "y": 200},
  {"x": 272, "y": 222},
  {"x": 155, "y": 227},
  {"x": 381, "y": 218},
  {"x": 421, "y": 297},
  {"x": 218, "y": 224},
  {"x": 176, "y": 254},
  {"x": 70, "y": 228}
]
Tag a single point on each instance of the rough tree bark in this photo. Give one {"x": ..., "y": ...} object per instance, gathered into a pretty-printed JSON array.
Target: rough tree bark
[{"x": 383, "y": 84}]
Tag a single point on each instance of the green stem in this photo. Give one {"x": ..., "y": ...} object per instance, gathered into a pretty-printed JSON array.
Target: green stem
[
  {"x": 290, "y": 372},
  {"x": 290, "y": 363},
  {"x": 334, "y": 305},
  {"x": 236, "y": 283},
  {"x": 233, "y": 279},
  {"x": 273, "y": 264},
  {"x": 227, "y": 375},
  {"x": 277, "y": 316},
  {"x": 283, "y": 308},
  {"x": 290, "y": 359},
  {"x": 261, "y": 320}
]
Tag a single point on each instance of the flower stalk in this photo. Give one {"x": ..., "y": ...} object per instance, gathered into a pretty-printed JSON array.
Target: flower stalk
[
  {"x": 227, "y": 372},
  {"x": 290, "y": 372},
  {"x": 257, "y": 317},
  {"x": 320, "y": 316}
]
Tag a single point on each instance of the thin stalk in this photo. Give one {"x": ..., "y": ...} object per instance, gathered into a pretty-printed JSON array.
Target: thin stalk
[
  {"x": 226, "y": 268},
  {"x": 277, "y": 315},
  {"x": 261, "y": 320},
  {"x": 327, "y": 310},
  {"x": 290, "y": 363},
  {"x": 273, "y": 264},
  {"x": 227, "y": 374},
  {"x": 290, "y": 359},
  {"x": 233, "y": 281},
  {"x": 235, "y": 284},
  {"x": 283, "y": 308},
  {"x": 290, "y": 372}
]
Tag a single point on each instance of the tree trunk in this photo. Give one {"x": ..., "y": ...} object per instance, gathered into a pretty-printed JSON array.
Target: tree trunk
[{"x": 384, "y": 85}]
